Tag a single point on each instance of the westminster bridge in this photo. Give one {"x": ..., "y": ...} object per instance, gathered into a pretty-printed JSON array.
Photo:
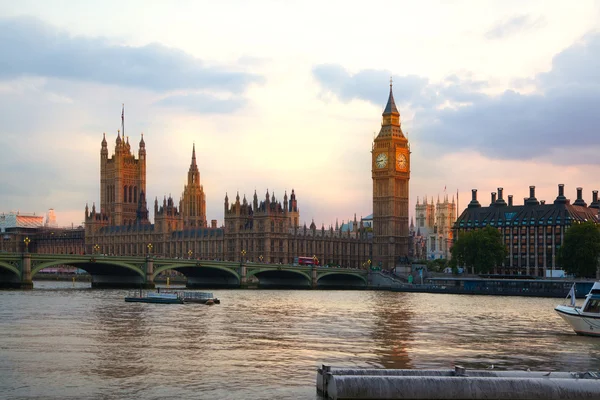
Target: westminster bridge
[{"x": 18, "y": 269}]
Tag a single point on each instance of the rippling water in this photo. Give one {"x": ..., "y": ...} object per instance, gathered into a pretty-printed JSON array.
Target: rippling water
[{"x": 60, "y": 342}]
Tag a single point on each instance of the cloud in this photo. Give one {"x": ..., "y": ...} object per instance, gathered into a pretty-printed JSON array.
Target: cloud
[
  {"x": 30, "y": 47},
  {"x": 202, "y": 103},
  {"x": 366, "y": 84},
  {"x": 556, "y": 120},
  {"x": 513, "y": 26}
]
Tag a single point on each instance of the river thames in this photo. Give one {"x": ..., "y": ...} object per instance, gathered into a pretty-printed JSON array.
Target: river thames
[{"x": 60, "y": 342}]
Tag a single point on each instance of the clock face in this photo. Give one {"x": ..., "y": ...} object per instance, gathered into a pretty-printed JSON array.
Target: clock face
[
  {"x": 381, "y": 160},
  {"x": 401, "y": 161}
]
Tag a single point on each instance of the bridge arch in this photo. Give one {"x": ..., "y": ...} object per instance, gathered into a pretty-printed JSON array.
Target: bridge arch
[
  {"x": 254, "y": 272},
  {"x": 87, "y": 265},
  {"x": 199, "y": 265},
  {"x": 10, "y": 267},
  {"x": 362, "y": 277}
]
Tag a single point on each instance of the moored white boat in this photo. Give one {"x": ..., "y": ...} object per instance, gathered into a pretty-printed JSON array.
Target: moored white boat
[{"x": 584, "y": 320}]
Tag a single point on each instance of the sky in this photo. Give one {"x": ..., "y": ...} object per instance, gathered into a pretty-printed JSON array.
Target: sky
[{"x": 282, "y": 95}]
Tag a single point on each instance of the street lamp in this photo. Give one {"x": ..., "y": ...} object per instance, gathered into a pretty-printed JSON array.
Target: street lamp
[
  {"x": 243, "y": 253},
  {"x": 190, "y": 254},
  {"x": 26, "y": 241},
  {"x": 149, "y": 248},
  {"x": 260, "y": 258},
  {"x": 315, "y": 259},
  {"x": 96, "y": 248},
  {"x": 368, "y": 263}
]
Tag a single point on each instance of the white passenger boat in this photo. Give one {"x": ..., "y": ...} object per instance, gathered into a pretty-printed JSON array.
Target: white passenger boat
[{"x": 584, "y": 320}]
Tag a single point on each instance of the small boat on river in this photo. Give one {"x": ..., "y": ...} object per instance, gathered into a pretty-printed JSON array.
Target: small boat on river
[
  {"x": 584, "y": 320},
  {"x": 158, "y": 298}
]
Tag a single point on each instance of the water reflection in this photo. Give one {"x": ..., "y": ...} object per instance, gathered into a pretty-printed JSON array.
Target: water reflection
[
  {"x": 120, "y": 334},
  {"x": 392, "y": 331}
]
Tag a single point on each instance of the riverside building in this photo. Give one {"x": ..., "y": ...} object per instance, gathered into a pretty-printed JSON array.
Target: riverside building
[{"x": 532, "y": 231}]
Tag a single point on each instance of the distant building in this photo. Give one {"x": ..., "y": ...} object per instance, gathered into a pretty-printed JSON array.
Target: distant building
[
  {"x": 533, "y": 232},
  {"x": 14, "y": 220},
  {"x": 51, "y": 219},
  {"x": 15, "y": 227},
  {"x": 432, "y": 234}
]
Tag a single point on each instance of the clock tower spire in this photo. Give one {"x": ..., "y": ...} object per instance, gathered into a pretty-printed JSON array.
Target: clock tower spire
[{"x": 390, "y": 171}]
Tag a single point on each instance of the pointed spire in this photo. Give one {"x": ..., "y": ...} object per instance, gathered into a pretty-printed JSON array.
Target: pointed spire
[
  {"x": 123, "y": 119},
  {"x": 390, "y": 107},
  {"x": 194, "y": 154}
]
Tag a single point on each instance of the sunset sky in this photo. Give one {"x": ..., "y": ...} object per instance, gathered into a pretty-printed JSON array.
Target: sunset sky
[{"x": 284, "y": 95}]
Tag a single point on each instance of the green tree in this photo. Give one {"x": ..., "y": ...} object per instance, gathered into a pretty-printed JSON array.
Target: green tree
[
  {"x": 480, "y": 249},
  {"x": 580, "y": 250}
]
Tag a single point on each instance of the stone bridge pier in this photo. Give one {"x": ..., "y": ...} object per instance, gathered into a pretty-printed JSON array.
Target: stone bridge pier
[
  {"x": 243, "y": 279},
  {"x": 26, "y": 282}
]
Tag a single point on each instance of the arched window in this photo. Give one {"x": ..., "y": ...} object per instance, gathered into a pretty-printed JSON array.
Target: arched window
[
  {"x": 124, "y": 194},
  {"x": 135, "y": 199},
  {"x": 130, "y": 194}
]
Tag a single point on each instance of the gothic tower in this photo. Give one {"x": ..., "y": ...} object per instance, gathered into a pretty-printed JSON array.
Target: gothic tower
[
  {"x": 391, "y": 173},
  {"x": 122, "y": 179},
  {"x": 193, "y": 203}
]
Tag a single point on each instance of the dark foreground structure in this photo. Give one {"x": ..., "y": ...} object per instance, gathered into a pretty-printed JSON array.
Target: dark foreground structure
[{"x": 460, "y": 383}]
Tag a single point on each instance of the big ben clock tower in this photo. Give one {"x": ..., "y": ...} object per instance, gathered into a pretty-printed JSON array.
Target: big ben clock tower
[{"x": 390, "y": 170}]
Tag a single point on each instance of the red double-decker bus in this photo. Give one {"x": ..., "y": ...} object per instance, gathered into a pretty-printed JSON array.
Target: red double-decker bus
[{"x": 305, "y": 261}]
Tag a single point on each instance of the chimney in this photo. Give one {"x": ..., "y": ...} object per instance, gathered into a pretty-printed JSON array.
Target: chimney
[
  {"x": 510, "y": 200},
  {"x": 594, "y": 203},
  {"x": 474, "y": 203},
  {"x": 531, "y": 201},
  {"x": 580, "y": 201},
  {"x": 561, "y": 199},
  {"x": 500, "y": 201},
  {"x": 493, "y": 198}
]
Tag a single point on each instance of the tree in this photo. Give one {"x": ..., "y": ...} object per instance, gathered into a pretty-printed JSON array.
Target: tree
[
  {"x": 580, "y": 250},
  {"x": 480, "y": 249}
]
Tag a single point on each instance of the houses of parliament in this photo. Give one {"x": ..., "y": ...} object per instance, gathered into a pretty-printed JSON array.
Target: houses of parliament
[{"x": 259, "y": 229}]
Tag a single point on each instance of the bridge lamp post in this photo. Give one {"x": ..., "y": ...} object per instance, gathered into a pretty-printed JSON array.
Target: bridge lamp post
[
  {"x": 243, "y": 253},
  {"x": 190, "y": 252},
  {"x": 149, "y": 248},
  {"x": 368, "y": 263},
  {"x": 26, "y": 241},
  {"x": 315, "y": 259},
  {"x": 96, "y": 248},
  {"x": 260, "y": 258}
]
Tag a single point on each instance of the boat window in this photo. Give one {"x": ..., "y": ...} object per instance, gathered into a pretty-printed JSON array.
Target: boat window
[{"x": 593, "y": 306}]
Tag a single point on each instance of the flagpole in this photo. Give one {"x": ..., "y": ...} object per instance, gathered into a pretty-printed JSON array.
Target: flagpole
[{"x": 123, "y": 120}]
